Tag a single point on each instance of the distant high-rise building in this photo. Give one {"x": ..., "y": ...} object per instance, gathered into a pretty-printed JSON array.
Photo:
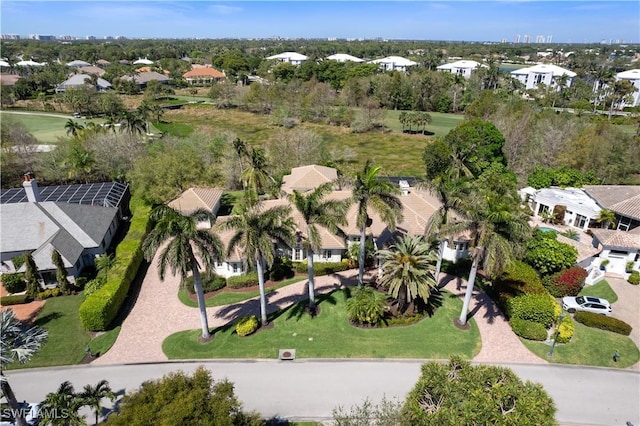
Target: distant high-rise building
[
  {"x": 41, "y": 37},
  {"x": 90, "y": 37},
  {"x": 549, "y": 38},
  {"x": 527, "y": 38},
  {"x": 10, "y": 37},
  {"x": 518, "y": 38}
]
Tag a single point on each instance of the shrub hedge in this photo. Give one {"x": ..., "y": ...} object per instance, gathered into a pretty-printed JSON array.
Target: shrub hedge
[
  {"x": 212, "y": 283},
  {"x": 14, "y": 300},
  {"x": 603, "y": 322},
  {"x": 242, "y": 281},
  {"x": 532, "y": 307},
  {"x": 101, "y": 307},
  {"x": 634, "y": 278},
  {"x": 52, "y": 292},
  {"x": 519, "y": 279},
  {"x": 567, "y": 282},
  {"x": 565, "y": 329},
  {"x": 528, "y": 329},
  {"x": 323, "y": 268},
  {"x": 280, "y": 271},
  {"x": 14, "y": 283},
  {"x": 247, "y": 325}
]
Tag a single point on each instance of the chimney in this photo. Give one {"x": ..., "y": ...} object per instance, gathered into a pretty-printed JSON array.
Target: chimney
[
  {"x": 404, "y": 187},
  {"x": 31, "y": 188}
]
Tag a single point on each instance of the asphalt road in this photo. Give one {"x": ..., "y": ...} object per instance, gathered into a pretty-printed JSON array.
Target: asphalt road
[{"x": 312, "y": 389}]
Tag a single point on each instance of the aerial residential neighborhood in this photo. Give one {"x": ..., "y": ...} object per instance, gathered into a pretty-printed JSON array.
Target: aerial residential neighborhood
[{"x": 374, "y": 226}]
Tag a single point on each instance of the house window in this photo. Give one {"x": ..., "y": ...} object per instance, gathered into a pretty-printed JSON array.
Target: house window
[
  {"x": 624, "y": 223},
  {"x": 326, "y": 254},
  {"x": 461, "y": 246},
  {"x": 297, "y": 254},
  {"x": 580, "y": 221},
  {"x": 542, "y": 209},
  {"x": 235, "y": 267},
  {"x": 538, "y": 78}
]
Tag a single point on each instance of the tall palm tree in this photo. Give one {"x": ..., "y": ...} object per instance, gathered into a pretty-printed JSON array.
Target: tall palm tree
[
  {"x": 66, "y": 401},
  {"x": 19, "y": 343},
  {"x": 256, "y": 230},
  {"x": 92, "y": 396},
  {"x": 72, "y": 127},
  {"x": 606, "y": 218},
  {"x": 317, "y": 211},
  {"x": 408, "y": 270},
  {"x": 496, "y": 229},
  {"x": 255, "y": 176},
  {"x": 185, "y": 240},
  {"x": 132, "y": 123},
  {"x": 371, "y": 192},
  {"x": 240, "y": 147}
]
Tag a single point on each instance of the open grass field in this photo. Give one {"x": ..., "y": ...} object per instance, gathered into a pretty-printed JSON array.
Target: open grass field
[
  {"x": 67, "y": 337},
  {"x": 589, "y": 346},
  {"x": 46, "y": 129},
  {"x": 330, "y": 335}
]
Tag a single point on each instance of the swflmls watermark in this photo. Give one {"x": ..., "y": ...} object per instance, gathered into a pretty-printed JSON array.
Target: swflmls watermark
[{"x": 34, "y": 411}]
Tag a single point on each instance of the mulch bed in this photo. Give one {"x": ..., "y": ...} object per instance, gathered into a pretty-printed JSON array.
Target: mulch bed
[{"x": 267, "y": 285}]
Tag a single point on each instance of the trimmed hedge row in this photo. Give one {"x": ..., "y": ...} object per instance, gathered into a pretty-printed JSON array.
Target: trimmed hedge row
[
  {"x": 528, "y": 329},
  {"x": 519, "y": 279},
  {"x": 603, "y": 322},
  {"x": 243, "y": 281},
  {"x": 567, "y": 282},
  {"x": 102, "y": 306},
  {"x": 538, "y": 308},
  {"x": 14, "y": 300},
  {"x": 323, "y": 268}
]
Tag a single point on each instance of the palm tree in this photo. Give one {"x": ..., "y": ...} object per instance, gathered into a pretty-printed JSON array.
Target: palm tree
[
  {"x": 18, "y": 344},
  {"x": 255, "y": 176},
  {"x": 92, "y": 396},
  {"x": 496, "y": 228},
  {"x": 371, "y": 192},
  {"x": 132, "y": 123},
  {"x": 66, "y": 401},
  {"x": 606, "y": 218},
  {"x": 179, "y": 254},
  {"x": 408, "y": 270},
  {"x": 316, "y": 211},
  {"x": 255, "y": 232},
  {"x": 72, "y": 127},
  {"x": 240, "y": 147}
]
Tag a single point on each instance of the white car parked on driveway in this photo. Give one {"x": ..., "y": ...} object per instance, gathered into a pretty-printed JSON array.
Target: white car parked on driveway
[{"x": 587, "y": 304}]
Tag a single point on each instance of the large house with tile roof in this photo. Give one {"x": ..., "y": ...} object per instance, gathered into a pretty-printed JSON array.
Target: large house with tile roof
[
  {"x": 79, "y": 221},
  {"x": 203, "y": 76},
  {"x": 305, "y": 178},
  {"x": 198, "y": 198}
]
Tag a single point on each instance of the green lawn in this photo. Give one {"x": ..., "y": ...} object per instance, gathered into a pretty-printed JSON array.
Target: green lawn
[
  {"x": 589, "y": 346},
  {"x": 602, "y": 290},
  {"x": 330, "y": 335},
  {"x": 440, "y": 126},
  {"x": 45, "y": 129},
  {"x": 102, "y": 343},
  {"x": 229, "y": 297},
  {"x": 67, "y": 337}
]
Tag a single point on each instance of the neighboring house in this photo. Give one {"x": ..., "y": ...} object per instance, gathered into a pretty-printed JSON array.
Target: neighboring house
[
  {"x": 78, "y": 64},
  {"x": 463, "y": 68},
  {"x": 618, "y": 247},
  {"x": 306, "y": 178},
  {"x": 198, "y": 198},
  {"x": 293, "y": 58},
  {"x": 92, "y": 70},
  {"x": 30, "y": 63},
  {"x": 394, "y": 63},
  {"x": 203, "y": 76},
  {"x": 79, "y": 221},
  {"x": 623, "y": 200},
  {"x": 573, "y": 206},
  {"x": 546, "y": 74},
  {"x": 144, "y": 61},
  {"x": 80, "y": 80},
  {"x": 141, "y": 79},
  {"x": 103, "y": 63},
  {"x": 343, "y": 57},
  {"x": 633, "y": 76}
]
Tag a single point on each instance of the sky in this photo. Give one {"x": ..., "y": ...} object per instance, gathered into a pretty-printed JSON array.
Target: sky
[{"x": 566, "y": 21}]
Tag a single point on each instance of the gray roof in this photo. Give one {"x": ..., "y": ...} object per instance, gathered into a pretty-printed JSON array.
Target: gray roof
[
  {"x": 78, "y": 63},
  {"x": 147, "y": 76},
  {"x": 621, "y": 199},
  {"x": 78, "y": 80}
]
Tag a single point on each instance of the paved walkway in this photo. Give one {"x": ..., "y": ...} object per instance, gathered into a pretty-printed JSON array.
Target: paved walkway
[
  {"x": 626, "y": 308},
  {"x": 158, "y": 313}
]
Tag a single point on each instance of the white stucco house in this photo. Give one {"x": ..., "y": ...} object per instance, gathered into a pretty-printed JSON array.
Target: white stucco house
[
  {"x": 463, "y": 67},
  {"x": 633, "y": 76},
  {"x": 292, "y": 58},
  {"x": 343, "y": 57},
  {"x": 141, "y": 61},
  {"x": 79, "y": 221},
  {"x": 547, "y": 74},
  {"x": 580, "y": 209},
  {"x": 394, "y": 63}
]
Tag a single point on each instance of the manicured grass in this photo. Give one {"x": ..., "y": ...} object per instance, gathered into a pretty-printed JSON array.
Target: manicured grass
[
  {"x": 331, "y": 335},
  {"x": 590, "y": 346},
  {"x": 174, "y": 129},
  {"x": 67, "y": 337},
  {"x": 440, "y": 126},
  {"x": 102, "y": 343},
  {"x": 602, "y": 290},
  {"x": 45, "y": 129},
  {"x": 229, "y": 297}
]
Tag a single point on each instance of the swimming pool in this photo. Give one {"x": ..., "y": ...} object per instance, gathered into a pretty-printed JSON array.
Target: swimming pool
[{"x": 547, "y": 229}]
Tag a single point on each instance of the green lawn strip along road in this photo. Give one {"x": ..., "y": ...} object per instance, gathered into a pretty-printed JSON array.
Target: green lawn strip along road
[
  {"x": 589, "y": 346},
  {"x": 225, "y": 297},
  {"x": 330, "y": 335}
]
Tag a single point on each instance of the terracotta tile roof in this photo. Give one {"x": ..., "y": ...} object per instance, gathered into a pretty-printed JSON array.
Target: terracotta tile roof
[
  {"x": 92, "y": 70},
  {"x": 225, "y": 237},
  {"x": 621, "y": 199},
  {"x": 197, "y": 198},
  {"x": 306, "y": 178},
  {"x": 204, "y": 72},
  {"x": 614, "y": 238}
]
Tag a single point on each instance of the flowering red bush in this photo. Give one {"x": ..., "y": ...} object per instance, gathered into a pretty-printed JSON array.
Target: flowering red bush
[{"x": 567, "y": 282}]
